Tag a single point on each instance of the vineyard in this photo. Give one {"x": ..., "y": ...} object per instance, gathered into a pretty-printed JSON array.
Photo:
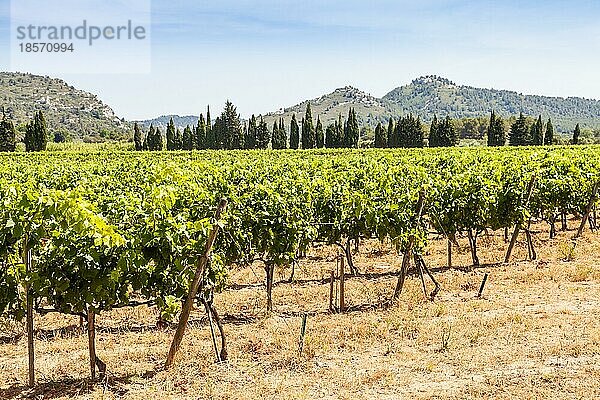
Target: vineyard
[{"x": 84, "y": 233}]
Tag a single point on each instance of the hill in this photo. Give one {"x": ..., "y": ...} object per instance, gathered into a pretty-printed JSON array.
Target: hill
[
  {"x": 162, "y": 121},
  {"x": 370, "y": 110},
  {"x": 431, "y": 95},
  {"x": 79, "y": 113}
]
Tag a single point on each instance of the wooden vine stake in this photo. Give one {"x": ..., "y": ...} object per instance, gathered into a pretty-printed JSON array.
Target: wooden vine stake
[
  {"x": 331, "y": 287},
  {"x": 482, "y": 286},
  {"x": 195, "y": 286},
  {"x": 513, "y": 240},
  {"x": 212, "y": 331},
  {"x": 27, "y": 259},
  {"x": 95, "y": 361},
  {"x": 342, "y": 285},
  {"x": 409, "y": 247},
  {"x": 588, "y": 210},
  {"x": 302, "y": 335}
]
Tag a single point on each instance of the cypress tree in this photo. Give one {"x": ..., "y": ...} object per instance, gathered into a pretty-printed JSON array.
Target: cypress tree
[
  {"x": 351, "y": 130},
  {"x": 8, "y": 141},
  {"x": 159, "y": 141},
  {"x": 263, "y": 135},
  {"x": 294, "y": 133},
  {"x": 274, "y": 134},
  {"x": 408, "y": 132},
  {"x": 329, "y": 136},
  {"x": 252, "y": 134},
  {"x": 188, "y": 139},
  {"x": 171, "y": 136},
  {"x": 42, "y": 132},
  {"x": 519, "y": 132},
  {"x": 391, "y": 130},
  {"x": 279, "y": 135},
  {"x": 549, "y": 136},
  {"x": 211, "y": 141},
  {"x": 138, "y": 137},
  {"x": 309, "y": 140},
  {"x": 149, "y": 142},
  {"x": 29, "y": 139},
  {"x": 36, "y": 135},
  {"x": 217, "y": 132},
  {"x": 148, "y": 138},
  {"x": 283, "y": 133},
  {"x": 576, "y": 134},
  {"x": 320, "y": 135},
  {"x": 201, "y": 142},
  {"x": 537, "y": 132},
  {"x": 454, "y": 139},
  {"x": 339, "y": 133},
  {"x": 434, "y": 139},
  {"x": 496, "y": 132},
  {"x": 380, "y": 137},
  {"x": 178, "y": 140},
  {"x": 491, "y": 135}
]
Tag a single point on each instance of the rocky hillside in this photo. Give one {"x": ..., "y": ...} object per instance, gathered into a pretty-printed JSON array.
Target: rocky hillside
[
  {"x": 369, "y": 109},
  {"x": 79, "y": 113}
]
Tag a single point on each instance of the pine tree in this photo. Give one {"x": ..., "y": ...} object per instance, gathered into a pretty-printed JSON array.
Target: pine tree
[
  {"x": 309, "y": 140},
  {"x": 188, "y": 139},
  {"x": 320, "y": 135},
  {"x": 138, "y": 137},
  {"x": 549, "y": 136},
  {"x": 263, "y": 135},
  {"x": 294, "y": 133},
  {"x": 171, "y": 136},
  {"x": 251, "y": 133},
  {"x": 434, "y": 136},
  {"x": 576, "y": 134},
  {"x": 229, "y": 133},
  {"x": 519, "y": 132},
  {"x": 201, "y": 141},
  {"x": 8, "y": 141},
  {"x": 380, "y": 137}
]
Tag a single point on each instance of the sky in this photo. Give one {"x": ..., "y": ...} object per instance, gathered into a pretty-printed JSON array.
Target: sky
[{"x": 267, "y": 54}]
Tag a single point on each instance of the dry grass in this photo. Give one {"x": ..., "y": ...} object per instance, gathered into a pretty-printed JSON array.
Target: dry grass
[{"x": 534, "y": 334}]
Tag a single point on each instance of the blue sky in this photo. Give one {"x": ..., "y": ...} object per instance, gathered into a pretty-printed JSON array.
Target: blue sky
[{"x": 267, "y": 54}]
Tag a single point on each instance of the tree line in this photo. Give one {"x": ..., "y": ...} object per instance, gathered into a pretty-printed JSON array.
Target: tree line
[
  {"x": 229, "y": 133},
  {"x": 36, "y": 134}
]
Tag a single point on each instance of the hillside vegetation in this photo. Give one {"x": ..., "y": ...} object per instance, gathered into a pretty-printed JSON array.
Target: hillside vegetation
[{"x": 80, "y": 114}]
